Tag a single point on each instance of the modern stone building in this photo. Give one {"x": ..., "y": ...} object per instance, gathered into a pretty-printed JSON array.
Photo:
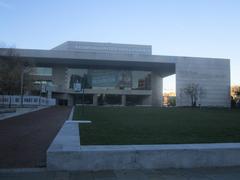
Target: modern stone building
[{"x": 124, "y": 74}]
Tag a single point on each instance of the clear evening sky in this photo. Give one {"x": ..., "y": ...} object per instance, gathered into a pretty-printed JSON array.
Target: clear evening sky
[{"x": 203, "y": 28}]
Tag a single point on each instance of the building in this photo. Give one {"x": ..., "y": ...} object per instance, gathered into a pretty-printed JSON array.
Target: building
[
  {"x": 169, "y": 99},
  {"x": 124, "y": 74}
]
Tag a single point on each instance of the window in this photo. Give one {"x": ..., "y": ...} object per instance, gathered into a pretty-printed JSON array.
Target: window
[
  {"x": 43, "y": 82},
  {"x": 110, "y": 79},
  {"x": 42, "y": 71}
]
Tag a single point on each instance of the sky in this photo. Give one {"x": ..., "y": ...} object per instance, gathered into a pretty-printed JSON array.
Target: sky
[{"x": 201, "y": 28}]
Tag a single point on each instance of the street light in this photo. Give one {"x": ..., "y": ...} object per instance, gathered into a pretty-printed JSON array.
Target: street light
[
  {"x": 26, "y": 69},
  {"x": 83, "y": 95},
  {"x": 80, "y": 87}
]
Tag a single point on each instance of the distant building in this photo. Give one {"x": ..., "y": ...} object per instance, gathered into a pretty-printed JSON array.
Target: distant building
[
  {"x": 235, "y": 91},
  {"x": 169, "y": 99},
  {"x": 124, "y": 74}
]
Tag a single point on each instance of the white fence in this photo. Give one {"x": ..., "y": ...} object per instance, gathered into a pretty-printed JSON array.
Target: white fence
[{"x": 26, "y": 100}]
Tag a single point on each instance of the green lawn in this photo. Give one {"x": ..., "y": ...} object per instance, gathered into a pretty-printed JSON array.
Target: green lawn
[{"x": 152, "y": 125}]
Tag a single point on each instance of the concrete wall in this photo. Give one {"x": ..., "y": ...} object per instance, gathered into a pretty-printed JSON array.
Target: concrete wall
[{"x": 213, "y": 76}]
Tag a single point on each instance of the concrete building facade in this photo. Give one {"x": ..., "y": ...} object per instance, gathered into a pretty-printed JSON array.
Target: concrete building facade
[{"x": 124, "y": 74}]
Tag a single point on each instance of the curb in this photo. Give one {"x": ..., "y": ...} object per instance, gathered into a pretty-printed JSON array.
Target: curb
[
  {"x": 19, "y": 114},
  {"x": 19, "y": 170},
  {"x": 70, "y": 117}
]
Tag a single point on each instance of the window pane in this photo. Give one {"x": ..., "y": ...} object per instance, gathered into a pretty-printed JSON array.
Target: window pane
[
  {"x": 109, "y": 79},
  {"x": 42, "y": 71}
]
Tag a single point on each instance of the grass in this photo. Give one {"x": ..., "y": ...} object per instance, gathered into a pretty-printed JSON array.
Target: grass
[{"x": 152, "y": 125}]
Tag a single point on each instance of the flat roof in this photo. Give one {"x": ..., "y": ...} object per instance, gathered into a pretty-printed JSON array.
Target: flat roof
[
  {"x": 165, "y": 65},
  {"x": 99, "y": 47}
]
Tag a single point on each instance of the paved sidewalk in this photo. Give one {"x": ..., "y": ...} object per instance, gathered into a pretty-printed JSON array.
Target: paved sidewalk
[
  {"x": 24, "y": 139},
  {"x": 232, "y": 173},
  {"x": 21, "y": 111}
]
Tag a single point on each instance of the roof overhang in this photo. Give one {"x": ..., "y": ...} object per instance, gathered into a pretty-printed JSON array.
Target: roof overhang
[{"x": 164, "y": 65}]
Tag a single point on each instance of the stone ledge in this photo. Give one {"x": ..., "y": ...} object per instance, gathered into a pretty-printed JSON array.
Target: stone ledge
[
  {"x": 67, "y": 139},
  {"x": 137, "y": 158}
]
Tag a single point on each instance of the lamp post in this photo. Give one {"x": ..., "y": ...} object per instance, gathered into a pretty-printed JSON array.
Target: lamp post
[
  {"x": 83, "y": 95},
  {"x": 25, "y": 70},
  {"x": 22, "y": 76},
  {"x": 40, "y": 93}
]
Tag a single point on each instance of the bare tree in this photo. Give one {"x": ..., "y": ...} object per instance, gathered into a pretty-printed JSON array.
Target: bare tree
[
  {"x": 235, "y": 91},
  {"x": 194, "y": 91},
  {"x": 14, "y": 72}
]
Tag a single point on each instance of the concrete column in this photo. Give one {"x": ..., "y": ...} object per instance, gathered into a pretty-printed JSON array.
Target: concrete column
[
  {"x": 123, "y": 100},
  {"x": 157, "y": 89},
  {"x": 70, "y": 100},
  {"x": 147, "y": 100},
  {"x": 49, "y": 94},
  {"x": 95, "y": 99}
]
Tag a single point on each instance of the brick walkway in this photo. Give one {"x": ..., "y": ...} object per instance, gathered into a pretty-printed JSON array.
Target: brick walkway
[{"x": 25, "y": 139}]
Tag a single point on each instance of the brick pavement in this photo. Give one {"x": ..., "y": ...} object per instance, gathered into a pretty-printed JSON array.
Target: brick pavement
[{"x": 25, "y": 139}]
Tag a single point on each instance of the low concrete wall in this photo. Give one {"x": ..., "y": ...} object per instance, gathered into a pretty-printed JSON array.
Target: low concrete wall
[
  {"x": 67, "y": 140},
  {"x": 65, "y": 153},
  {"x": 155, "y": 156},
  {"x": 70, "y": 117}
]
